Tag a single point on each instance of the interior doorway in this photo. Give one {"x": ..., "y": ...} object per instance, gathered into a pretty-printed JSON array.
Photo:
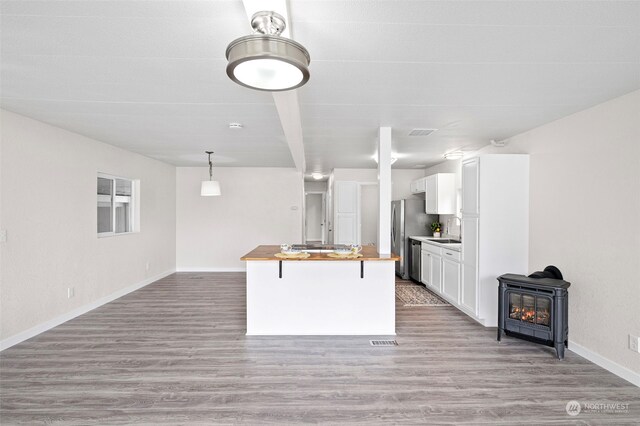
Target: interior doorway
[
  {"x": 369, "y": 212},
  {"x": 315, "y": 217}
]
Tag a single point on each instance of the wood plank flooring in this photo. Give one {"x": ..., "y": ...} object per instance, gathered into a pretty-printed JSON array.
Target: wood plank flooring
[{"x": 175, "y": 352}]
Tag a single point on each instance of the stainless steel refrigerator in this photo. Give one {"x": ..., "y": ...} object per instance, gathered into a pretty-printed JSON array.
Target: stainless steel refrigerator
[{"x": 407, "y": 219}]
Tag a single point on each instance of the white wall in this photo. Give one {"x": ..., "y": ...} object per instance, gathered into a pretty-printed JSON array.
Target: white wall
[
  {"x": 401, "y": 182},
  {"x": 400, "y": 179},
  {"x": 48, "y": 187},
  {"x": 315, "y": 186},
  {"x": 584, "y": 218},
  {"x": 255, "y": 208},
  {"x": 400, "y": 186}
]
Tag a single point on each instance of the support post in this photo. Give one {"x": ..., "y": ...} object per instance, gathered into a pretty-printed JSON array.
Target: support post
[{"x": 384, "y": 185}]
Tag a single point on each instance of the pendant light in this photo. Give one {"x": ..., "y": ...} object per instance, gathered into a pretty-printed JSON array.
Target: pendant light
[
  {"x": 210, "y": 188},
  {"x": 266, "y": 60}
]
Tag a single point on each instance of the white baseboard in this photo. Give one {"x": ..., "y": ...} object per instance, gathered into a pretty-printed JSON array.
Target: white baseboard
[
  {"x": 208, "y": 269},
  {"x": 47, "y": 325},
  {"x": 607, "y": 364}
]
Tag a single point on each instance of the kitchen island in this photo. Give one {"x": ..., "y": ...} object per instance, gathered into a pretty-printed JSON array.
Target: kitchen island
[{"x": 320, "y": 295}]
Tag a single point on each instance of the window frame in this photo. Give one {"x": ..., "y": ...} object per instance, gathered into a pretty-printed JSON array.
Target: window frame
[{"x": 133, "y": 205}]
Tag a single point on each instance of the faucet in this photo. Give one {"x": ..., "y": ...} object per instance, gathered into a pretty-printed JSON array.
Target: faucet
[{"x": 449, "y": 220}]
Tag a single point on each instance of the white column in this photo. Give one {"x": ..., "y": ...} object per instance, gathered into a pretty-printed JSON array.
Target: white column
[{"x": 384, "y": 184}]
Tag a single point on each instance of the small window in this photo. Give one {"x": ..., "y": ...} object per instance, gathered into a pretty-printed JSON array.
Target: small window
[{"x": 116, "y": 205}]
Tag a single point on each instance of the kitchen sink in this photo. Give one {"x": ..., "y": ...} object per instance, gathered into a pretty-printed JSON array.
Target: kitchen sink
[{"x": 447, "y": 241}]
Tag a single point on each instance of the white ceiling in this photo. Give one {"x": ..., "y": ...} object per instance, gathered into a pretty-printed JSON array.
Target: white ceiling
[{"x": 149, "y": 76}]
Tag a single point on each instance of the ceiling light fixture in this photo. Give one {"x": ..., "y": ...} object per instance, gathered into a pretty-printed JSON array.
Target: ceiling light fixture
[
  {"x": 375, "y": 158},
  {"x": 317, "y": 176},
  {"x": 454, "y": 155},
  {"x": 266, "y": 60},
  {"x": 210, "y": 188}
]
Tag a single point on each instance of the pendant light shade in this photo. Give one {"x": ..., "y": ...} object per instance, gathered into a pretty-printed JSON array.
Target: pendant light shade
[
  {"x": 210, "y": 188},
  {"x": 265, "y": 60}
]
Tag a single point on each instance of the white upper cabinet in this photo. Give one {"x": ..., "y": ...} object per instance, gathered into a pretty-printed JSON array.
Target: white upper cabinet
[
  {"x": 470, "y": 187},
  {"x": 440, "y": 194},
  {"x": 418, "y": 186}
]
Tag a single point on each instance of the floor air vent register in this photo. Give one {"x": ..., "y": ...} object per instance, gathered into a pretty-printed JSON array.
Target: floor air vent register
[
  {"x": 535, "y": 308},
  {"x": 383, "y": 343}
]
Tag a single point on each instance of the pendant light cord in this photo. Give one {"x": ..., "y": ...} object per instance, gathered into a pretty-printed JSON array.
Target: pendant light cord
[{"x": 210, "y": 165}]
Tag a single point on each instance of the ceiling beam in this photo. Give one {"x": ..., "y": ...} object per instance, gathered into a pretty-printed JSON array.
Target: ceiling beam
[{"x": 287, "y": 103}]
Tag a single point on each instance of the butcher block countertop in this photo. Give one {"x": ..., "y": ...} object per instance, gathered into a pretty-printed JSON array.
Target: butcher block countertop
[{"x": 368, "y": 253}]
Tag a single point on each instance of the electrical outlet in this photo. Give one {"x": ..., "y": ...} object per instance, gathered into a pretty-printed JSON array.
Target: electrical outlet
[
  {"x": 3, "y": 235},
  {"x": 70, "y": 292},
  {"x": 147, "y": 266},
  {"x": 634, "y": 343}
]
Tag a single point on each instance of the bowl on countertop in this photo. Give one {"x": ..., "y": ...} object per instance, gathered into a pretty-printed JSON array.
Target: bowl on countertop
[
  {"x": 343, "y": 252},
  {"x": 290, "y": 251}
]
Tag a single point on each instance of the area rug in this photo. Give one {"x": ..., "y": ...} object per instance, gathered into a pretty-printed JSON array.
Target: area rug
[{"x": 411, "y": 294}]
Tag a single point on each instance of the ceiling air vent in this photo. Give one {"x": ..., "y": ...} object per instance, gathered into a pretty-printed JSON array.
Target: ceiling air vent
[{"x": 421, "y": 132}]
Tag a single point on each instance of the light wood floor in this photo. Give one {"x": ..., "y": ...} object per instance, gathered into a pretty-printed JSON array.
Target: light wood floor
[{"x": 175, "y": 352}]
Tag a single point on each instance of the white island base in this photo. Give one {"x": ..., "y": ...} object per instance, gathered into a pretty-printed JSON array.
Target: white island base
[{"x": 321, "y": 297}]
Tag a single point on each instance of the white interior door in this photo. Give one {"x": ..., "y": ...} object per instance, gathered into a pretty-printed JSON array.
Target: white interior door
[
  {"x": 347, "y": 215},
  {"x": 314, "y": 217}
]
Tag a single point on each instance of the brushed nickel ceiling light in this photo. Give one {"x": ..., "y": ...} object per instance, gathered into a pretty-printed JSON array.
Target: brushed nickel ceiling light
[{"x": 266, "y": 60}]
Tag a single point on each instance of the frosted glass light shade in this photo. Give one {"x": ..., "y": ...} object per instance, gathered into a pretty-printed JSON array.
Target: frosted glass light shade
[
  {"x": 268, "y": 62},
  {"x": 210, "y": 188},
  {"x": 268, "y": 74}
]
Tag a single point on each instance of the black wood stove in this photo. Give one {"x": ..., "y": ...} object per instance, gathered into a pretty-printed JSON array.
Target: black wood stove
[{"x": 535, "y": 308}]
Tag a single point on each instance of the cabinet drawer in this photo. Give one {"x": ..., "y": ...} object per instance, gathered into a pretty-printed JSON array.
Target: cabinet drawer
[
  {"x": 451, "y": 255},
  {"x": 431, "y": 248}
]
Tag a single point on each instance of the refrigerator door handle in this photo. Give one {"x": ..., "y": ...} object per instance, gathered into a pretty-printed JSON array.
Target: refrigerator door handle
[{"x": 393, "y": 225}]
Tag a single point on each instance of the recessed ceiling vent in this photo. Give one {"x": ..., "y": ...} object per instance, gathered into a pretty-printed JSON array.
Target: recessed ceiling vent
[{"x": 421, "y": 132}]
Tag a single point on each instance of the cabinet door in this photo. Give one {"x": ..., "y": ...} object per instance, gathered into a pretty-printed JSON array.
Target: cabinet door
[
  {"x": 425, "y": 267},
  {"x": 469, "y": 296},
  {"x": 414, "y": 187},
  {"x": 421, "y": 185},
  {"x": 470, "y": 187},
  {"x": 470, "y": 240},
  {"x": 431, "y": 196},
  {"x": 436, "y": 273},
  {"x": 451, "y": 280}
]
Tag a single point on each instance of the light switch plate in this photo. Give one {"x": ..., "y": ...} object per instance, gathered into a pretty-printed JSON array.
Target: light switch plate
[{"x": 3, "y": 235}]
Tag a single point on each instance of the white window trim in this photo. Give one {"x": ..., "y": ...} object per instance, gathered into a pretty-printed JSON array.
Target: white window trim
[{"x": 134, "y": 205}]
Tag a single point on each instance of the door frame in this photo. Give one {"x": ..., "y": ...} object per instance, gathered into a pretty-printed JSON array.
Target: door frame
[{"x": 323, "y": 225}]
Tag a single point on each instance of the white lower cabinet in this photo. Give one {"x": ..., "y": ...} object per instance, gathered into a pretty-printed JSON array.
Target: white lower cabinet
[
  {"x": 431, "y": 267},
  {"x": 436, "y": 272},
  {"x": 440, "y": 267},
  {"x": 451, "y": 280},
  {"x": 425, "y": 268},
  {"x": 469, "y": 296}
]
